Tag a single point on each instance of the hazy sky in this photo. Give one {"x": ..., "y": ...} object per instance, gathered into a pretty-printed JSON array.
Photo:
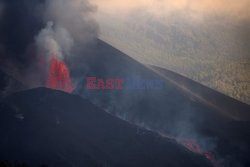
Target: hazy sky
[{"x": 231, "y": 8}]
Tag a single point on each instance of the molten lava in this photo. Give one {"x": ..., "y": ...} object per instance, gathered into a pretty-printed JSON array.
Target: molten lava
[
  {"x": 59, "y": 77},
  {"x": 193, "y": 146}
]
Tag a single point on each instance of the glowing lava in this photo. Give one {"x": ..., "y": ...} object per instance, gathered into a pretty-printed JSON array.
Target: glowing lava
[
  {"x": 193, "y": 146},
  {"x": 59, "y": 77}
]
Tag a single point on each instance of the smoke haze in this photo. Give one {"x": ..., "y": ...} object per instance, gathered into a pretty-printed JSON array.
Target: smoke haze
[
  {"x": 205, "y": 40},
  {"x": 31, "y": 31}
]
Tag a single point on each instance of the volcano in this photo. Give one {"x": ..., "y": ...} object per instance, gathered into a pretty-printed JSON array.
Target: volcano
[
  {"x": 56, "y": 128},
  {"x": 59, "y": 76},
  {"x": 44, "y": 126},
  {"x": 199, "y": 118}
]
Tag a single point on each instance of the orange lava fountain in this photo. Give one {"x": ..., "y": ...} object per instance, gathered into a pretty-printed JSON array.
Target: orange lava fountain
[{"x": 59, "y": 76}]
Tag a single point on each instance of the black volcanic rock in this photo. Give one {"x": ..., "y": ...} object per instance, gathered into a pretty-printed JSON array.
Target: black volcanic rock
[{"x": 42, "y": 126}]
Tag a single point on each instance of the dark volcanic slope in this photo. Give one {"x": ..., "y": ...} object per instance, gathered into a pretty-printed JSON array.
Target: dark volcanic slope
[
  {"x": 44, "y": 126},
  {"x": 171, "y": 110},
  {"x": 108, "y": 62},
  {"x": 235, "y": 108},
  {"x": 8, "y": 84}
]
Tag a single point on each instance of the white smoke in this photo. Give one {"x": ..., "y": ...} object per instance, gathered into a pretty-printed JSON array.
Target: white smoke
[
  {"x": 54, "y": 41},
  {"x": 75, "y": 16},
  {"x": 69, "y": 25}
]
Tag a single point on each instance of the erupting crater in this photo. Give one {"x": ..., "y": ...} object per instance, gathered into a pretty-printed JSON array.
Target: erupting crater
[{"x": 59, "y": 76}]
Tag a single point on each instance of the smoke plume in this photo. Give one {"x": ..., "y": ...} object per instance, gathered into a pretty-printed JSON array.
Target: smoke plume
[{"x": 33, "y": 32}]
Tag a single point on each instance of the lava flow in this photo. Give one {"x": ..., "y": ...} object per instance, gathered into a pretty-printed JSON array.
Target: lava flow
[
  {"x": 59, "y": 77},
  {"x": 193, "y": 146}
]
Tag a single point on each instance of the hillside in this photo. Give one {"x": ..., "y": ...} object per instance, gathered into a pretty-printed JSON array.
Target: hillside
[
  {"x": 42, "y": 126},
  {"x": 213, "y": 52},
  {"x": 182, "y": 109}
]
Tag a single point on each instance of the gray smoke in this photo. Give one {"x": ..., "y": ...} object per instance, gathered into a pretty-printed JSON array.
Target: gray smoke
[
  {"x": 75, "y": 17},
  {"x": 31, "y": 32},
  {"x": 69, "y": 25}
]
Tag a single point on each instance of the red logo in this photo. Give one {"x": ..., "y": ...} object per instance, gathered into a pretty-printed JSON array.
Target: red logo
[{"x": 93, "y": 83}]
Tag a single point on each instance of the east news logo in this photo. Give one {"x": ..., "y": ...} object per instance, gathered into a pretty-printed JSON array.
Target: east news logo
[{"x": 128, "y": 83}]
